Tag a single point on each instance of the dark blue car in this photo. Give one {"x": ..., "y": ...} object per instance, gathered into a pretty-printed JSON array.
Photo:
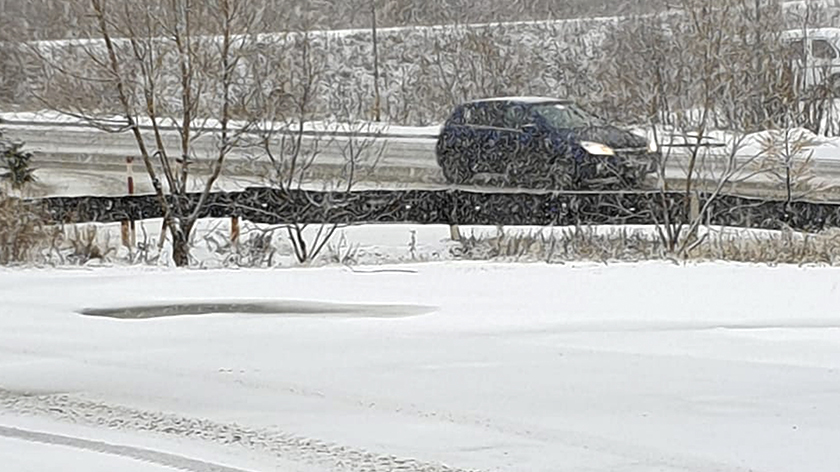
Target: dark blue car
[{"x": 540, "y": 142}]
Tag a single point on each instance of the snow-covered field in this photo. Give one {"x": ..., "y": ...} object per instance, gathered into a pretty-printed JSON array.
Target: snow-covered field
[{"x": 486, "y": 366}]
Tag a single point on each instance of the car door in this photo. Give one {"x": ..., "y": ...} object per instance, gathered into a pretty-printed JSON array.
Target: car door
[
  {"x": 794, "y": 56},
  {"x": 490, "y": 136},
  {"x": 824, "y": 60},
  {"x": 521, "y": 134},
  {"x": 464, "y": 141},
  {"x": 504, "y": 133},
  {"x": 464, "y": 136}
]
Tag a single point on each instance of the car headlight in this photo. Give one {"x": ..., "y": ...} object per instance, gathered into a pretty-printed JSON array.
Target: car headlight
[{"x": 597, "y": 149}]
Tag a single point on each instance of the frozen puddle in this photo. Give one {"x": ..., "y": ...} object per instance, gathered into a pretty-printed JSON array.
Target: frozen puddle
[{"x": 287, "y": 308}]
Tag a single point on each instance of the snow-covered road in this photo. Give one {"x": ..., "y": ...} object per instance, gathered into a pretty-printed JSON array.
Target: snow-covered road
[
  {"x": 24, "y": 456},
  {"x": 32, "y": 451},
  {"x": 512, "y": 367}
]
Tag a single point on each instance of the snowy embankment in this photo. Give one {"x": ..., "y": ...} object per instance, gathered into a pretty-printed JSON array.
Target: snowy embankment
[
  {"x": 47, "y": 118},
  {"x": 797, "y": 143},
  {"x": 490, "y": 366}
]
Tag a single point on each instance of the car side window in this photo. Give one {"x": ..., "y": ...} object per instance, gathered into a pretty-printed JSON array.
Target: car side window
[
  {"x": 516, "y": 116},
  {"x": 473, "y": 115},
  {"x": 822, "y": 49},
  {"x": 481, "y": 115},
  {"x": 497, "y": 115}
]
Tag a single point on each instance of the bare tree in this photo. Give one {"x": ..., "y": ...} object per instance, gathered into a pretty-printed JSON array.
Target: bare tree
[
  {"x": 171, "y": 87},
  {"x": 304, "y": 151},
  {"x": 787, "y": 155},
  {"x": 467, "y": 63},
  {"x": 374, "y": 44},
  {"x": 710, "y": 73}
]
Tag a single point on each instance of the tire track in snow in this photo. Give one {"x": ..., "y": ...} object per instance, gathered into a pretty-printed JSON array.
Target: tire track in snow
[
  {"x": 145, "y": 455},
  {"x": 285, "y": 446}
]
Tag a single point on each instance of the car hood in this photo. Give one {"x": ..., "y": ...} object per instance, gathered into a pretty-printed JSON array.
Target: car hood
[{"x": 611, "y": 136}]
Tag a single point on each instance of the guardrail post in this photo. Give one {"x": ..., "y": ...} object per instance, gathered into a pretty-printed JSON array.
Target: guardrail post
[
  {"x": 128, "y": 229},
  {"x": 694, "y": 205},
  {"x": 234, "y": 230},
  {"x": 454, "y": 230},
  {"x": 126, "y": 240},
  {"x": 454, "y": 233}
]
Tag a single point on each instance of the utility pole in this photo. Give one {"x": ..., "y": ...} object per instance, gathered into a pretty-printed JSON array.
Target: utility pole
[{"x": 376, "y": 101}]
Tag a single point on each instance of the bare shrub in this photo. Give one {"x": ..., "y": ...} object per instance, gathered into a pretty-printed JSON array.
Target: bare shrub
[
  {"x": 343, "y": 252},
  {"x": 167, "y": 84},
  {"x": 85, "y": 243},
  {"x": 784, "y": 247},
  {"x": 146, "y": 251},
  {"x": 25, "y": 235},
  {"x": 604, "y": 245},
  {"x": 347, "y": 149},
  {"x": 476, "y": 63},
  {"x": 713, "y": 72},
  {"x": 787, "y": 155},
  {"x": 666, "y": 69},
  {"x": 256, "y": 248}
]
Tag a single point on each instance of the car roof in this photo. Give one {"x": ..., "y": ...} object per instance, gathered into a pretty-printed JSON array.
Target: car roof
[{"x": 523, "y": 100}]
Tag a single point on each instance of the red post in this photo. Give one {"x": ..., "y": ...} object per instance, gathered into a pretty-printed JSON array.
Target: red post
[{"x": 128, "y": 162}]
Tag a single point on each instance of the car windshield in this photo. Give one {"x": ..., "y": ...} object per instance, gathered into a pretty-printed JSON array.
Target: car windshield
[{"x": 565, "y": 115}]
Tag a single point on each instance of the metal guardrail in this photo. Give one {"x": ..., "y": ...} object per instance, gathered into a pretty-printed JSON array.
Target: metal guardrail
[{"x": 454, "y": 207}]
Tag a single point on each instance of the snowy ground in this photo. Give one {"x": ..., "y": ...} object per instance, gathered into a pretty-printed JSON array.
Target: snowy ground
[{"x": 489, "y": 366}]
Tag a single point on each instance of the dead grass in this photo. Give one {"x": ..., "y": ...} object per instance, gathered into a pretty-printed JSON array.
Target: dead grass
[
  {"x": 25, "y": 235},
  {"x": 626, "y": 245},
  {"x": 85, "y": 243},
  {"x": 29, "y": 238}
]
